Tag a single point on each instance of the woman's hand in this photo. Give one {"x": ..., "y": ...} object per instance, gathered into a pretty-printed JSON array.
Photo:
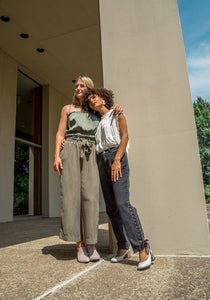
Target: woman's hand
[
  {"x": 117, "y": 109},
  {"x": 58, "y": 165},
  {"x": 116, "y": 170},
  {"x": 60, "y": 138},
  {"x": 62, "y": 144},
  {"x": 116, "y": 166}
]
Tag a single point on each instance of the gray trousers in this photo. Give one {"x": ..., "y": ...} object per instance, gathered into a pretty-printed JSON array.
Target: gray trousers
[
  {"x": 79, "y": 191},
  {"x": 123, "y": 216}
]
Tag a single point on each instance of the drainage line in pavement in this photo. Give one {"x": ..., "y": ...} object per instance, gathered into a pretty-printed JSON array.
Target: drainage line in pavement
[
  {"x": 178, "y": 255},
  {"x": 62, "y": 284}
]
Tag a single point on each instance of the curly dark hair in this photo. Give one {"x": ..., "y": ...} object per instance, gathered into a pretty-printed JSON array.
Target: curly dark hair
[{"x": 106, "y": 95}]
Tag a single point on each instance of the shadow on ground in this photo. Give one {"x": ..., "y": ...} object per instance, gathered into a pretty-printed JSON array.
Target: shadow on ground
[{"x": 19, "y": 232}]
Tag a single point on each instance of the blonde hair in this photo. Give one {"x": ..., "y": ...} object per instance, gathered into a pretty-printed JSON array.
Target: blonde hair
[{"x": 88, "y": 84}]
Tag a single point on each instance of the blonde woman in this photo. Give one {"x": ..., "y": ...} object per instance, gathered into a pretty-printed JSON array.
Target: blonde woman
[{"x": 77, "y": 167}]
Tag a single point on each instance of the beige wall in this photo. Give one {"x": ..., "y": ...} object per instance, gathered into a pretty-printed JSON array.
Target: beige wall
[
  {"x": 53, "y": 101},
  {"x": 144, "y": 63},
  {"x": 8, "y": 86},
  {"x": 55, "y": 72}
]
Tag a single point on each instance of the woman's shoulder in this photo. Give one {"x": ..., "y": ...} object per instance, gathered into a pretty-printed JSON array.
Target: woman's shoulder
[
  {"x": 75, "y": 108},
  {"x": 66, "y": 109},
  {"x": 69, "y": 108}
]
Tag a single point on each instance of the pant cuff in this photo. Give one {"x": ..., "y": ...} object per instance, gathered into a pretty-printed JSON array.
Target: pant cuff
[
  {"x": 123, "y": 245},
  {"x": 139, "y": 248}
]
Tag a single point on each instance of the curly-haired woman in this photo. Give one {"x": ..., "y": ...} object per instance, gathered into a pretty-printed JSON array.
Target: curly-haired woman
[{"x": 111, "y": 146}]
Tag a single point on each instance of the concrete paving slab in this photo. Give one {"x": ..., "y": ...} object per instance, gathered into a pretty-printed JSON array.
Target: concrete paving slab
[
  {"x": 168, "y": 278},
  {"x": 33, "y": 260}
]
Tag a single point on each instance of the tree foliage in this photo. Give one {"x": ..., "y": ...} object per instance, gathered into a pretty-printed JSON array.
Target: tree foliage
[
  {"x": 202, "y": 118},
  {"x": 21, "y": 184}
]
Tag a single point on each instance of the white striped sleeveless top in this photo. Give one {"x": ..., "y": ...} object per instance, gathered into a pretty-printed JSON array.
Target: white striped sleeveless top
[{"x": 108, "y": 134}]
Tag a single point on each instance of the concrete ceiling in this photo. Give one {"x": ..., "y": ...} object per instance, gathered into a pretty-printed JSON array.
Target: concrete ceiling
[{"x": 69, "y": 32}]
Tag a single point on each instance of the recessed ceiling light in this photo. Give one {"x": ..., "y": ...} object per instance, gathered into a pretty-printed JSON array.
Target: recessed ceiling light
[
  {"x": 24, "y": 35},
  {"x": 40, "y": 50},
  {"x": 5, "y": 18}
]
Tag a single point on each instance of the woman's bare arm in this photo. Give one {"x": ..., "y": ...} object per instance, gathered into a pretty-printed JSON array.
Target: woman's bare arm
[
  {"x": 59, "y": 138},
  {"x": 116, "y": 166}
]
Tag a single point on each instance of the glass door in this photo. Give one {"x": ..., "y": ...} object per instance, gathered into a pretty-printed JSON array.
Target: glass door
[{"x": 27, "y": 182}]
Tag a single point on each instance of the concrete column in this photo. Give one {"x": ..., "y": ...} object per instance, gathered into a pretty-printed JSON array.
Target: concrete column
[
  {"x": 53, "y": 101},
  {"x": 8, "y": 87},
  {"x": 144, "y": 63},
  {"x": 45, "y": 151}
]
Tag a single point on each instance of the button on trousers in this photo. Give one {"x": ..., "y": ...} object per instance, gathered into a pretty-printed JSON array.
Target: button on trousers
[
  {"x": 79, "y": 191},
  {"x": 123, "y": 216}
]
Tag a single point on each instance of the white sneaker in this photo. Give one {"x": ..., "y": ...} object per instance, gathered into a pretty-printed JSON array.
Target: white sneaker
[{"x": 117, "y": 259}]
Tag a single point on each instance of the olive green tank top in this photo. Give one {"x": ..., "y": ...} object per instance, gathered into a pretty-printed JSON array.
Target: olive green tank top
[{"x": 81, "y": 123}]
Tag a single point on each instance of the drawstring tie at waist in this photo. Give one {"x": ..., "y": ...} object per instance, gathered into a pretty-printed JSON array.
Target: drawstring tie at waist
[{"x": 87, "y": 143}]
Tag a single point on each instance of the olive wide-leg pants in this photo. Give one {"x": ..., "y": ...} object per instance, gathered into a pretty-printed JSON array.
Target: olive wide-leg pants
[{"x": 79, "y": 191}]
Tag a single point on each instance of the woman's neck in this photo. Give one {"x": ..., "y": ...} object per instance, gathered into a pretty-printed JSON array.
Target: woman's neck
[
  {"x": 75, "y": 107},
  {"x": 79, "y": 102},
  {"x": 103, "y": 110}
]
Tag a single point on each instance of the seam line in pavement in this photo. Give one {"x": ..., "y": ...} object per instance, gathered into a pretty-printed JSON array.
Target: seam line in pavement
[
  {"x": 62, "y": 284},
  {"x": 179, "y": 255}
]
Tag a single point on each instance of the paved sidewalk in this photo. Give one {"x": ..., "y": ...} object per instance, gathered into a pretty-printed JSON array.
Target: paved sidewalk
[{"x": 34, "y": 261}]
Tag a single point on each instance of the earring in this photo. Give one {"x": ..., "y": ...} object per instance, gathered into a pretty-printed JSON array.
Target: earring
[{"x": 104, "y": 102}]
